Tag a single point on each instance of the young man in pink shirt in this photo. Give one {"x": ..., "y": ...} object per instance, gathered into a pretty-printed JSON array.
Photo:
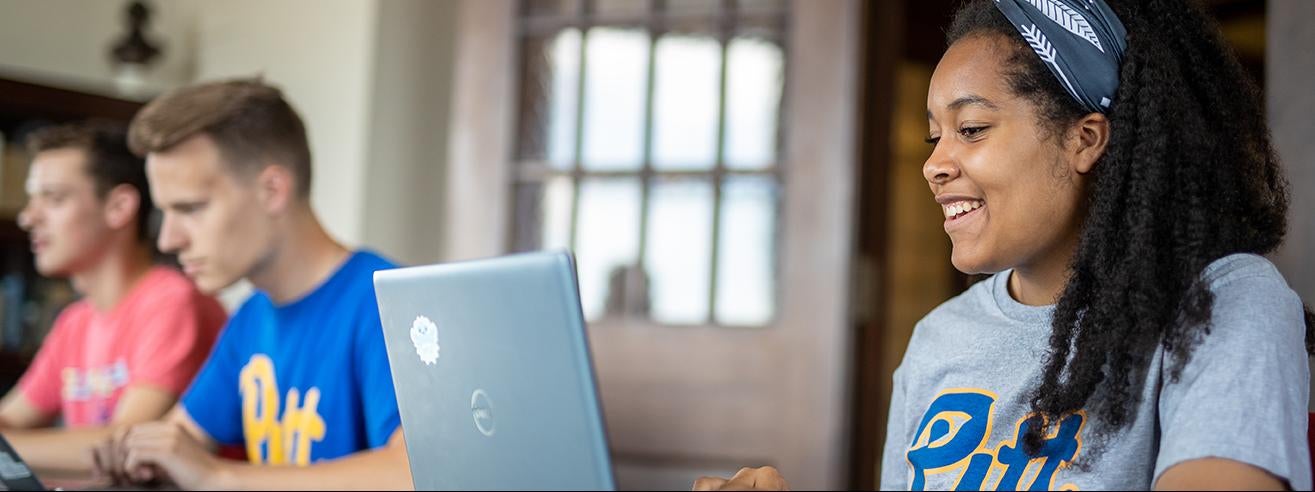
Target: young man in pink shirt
[{"x": 123, "y": 353}]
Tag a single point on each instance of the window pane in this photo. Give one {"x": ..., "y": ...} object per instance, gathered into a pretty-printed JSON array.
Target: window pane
[
  {"x": 754, "y": 79},
  {"x": 679, "y": 251},
  {"x": 584, "y": 98},
  {"x": 529, "y": 222},
  {"x": 625, "y": 7},
  {"x": 543, "y": 215},
  {"x": 556, "y": 231},
  {"x": 607, "y": 237},
  {"x": 548, "y": 98},
  {"x": 615, "y": 83},
  {"x": 761, "y": 6},
  {"x": 551, "y": 7},
  {"x": 746, "y": 280},
  {"x": 685, "y": 102},
  {"x": 690, "y": 7}
]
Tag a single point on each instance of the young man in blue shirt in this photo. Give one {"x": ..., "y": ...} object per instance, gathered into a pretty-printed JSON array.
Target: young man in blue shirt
[{"x": 299, "y": 376}]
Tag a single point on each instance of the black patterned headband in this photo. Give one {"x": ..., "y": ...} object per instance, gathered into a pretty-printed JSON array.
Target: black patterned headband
[{"x": 1081, "y": 41}]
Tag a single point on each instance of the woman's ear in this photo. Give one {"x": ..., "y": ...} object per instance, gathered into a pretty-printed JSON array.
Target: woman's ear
[
  {"x": 121, "y": 205},
  {"x": 1091, "y": 135}
]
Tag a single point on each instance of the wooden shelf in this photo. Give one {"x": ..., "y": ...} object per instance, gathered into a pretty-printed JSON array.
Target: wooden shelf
[
  {"x": 9, "y": 230},
  {"x": 29, "y": 101}
]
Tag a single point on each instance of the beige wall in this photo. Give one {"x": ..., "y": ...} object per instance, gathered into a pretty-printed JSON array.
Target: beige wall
[
  {"x": 371, "y": 78},
  {"x": 1291, "y": 103},
  {"x": 68, "y": 41},
  {"x": 1291, "y": 74},
  {"x": 320, "y": 52},
  {"x": 406, "y": 159}
]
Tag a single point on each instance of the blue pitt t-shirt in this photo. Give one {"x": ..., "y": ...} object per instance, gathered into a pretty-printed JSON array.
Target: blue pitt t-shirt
[{"x": 304, "y": 381}]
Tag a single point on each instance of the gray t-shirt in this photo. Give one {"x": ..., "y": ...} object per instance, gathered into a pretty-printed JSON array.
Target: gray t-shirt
[{"x": 960, "y": 395}]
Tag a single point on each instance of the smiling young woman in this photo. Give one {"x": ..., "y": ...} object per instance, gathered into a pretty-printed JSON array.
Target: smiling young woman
[{"x": 1110, "y": 165}]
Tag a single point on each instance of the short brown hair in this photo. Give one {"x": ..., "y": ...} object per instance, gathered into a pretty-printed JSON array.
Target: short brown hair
[
  {"x": 109, "y": 163},
  {"x": 248, "y": 120}
]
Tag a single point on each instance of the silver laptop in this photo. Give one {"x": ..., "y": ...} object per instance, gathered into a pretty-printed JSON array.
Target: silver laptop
[
  {"x": 14, "y": 473},
  {"x": 493, "y": 375}
]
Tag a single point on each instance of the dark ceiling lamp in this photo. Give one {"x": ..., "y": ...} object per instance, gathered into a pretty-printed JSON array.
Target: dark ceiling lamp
[{"x": 134, "y": 53}]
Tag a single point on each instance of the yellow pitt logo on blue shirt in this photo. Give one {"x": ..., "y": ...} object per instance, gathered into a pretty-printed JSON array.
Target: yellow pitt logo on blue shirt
[{"x": 288, "y": 441}]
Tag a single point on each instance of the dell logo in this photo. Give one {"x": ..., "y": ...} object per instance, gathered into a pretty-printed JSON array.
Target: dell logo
[{"x": 482, "y": 409}]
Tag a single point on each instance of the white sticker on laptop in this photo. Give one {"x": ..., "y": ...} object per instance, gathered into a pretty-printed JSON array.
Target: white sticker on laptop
[{"x": 424, "y": 334}]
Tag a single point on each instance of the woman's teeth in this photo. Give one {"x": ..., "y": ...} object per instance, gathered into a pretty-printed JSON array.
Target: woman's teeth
[{"x": 961, "y": 207}]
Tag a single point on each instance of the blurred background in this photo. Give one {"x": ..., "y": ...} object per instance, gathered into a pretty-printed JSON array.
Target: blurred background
[{"x": 740, "y": 179}]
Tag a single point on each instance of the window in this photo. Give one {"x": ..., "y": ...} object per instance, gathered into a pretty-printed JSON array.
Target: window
[{"x": 648, "y": 143}]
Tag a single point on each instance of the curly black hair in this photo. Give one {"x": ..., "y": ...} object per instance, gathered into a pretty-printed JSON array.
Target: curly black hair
[{"x": 1187, "y": 128}]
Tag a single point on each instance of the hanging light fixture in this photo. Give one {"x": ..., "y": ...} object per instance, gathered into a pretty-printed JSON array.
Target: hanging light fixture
[{"x": 133, "y": 54}]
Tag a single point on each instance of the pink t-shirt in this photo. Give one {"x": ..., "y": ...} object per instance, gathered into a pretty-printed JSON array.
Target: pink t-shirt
[{"x": 157, "y": 336}]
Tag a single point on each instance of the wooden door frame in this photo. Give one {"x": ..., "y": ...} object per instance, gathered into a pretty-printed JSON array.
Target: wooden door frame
[
  {"x": 895, "y": 34},
  {"x": 820, "y": 149},
  {"x": 882, "y": 46},
  {"x": 481, "y": 130}
]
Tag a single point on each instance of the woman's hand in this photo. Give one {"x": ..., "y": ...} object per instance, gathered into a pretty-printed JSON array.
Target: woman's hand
[{"x": 765, "y": 478}]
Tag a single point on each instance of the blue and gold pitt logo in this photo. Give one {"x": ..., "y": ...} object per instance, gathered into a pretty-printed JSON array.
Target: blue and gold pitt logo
[
  {"x": 952, "y": 438},
  {"x": 269, "y": 439}
]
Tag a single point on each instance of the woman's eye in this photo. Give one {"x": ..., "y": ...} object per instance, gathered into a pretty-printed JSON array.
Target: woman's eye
[
  {"x": 933, "y": 140},
  {"x": 971, "y": 131}
]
